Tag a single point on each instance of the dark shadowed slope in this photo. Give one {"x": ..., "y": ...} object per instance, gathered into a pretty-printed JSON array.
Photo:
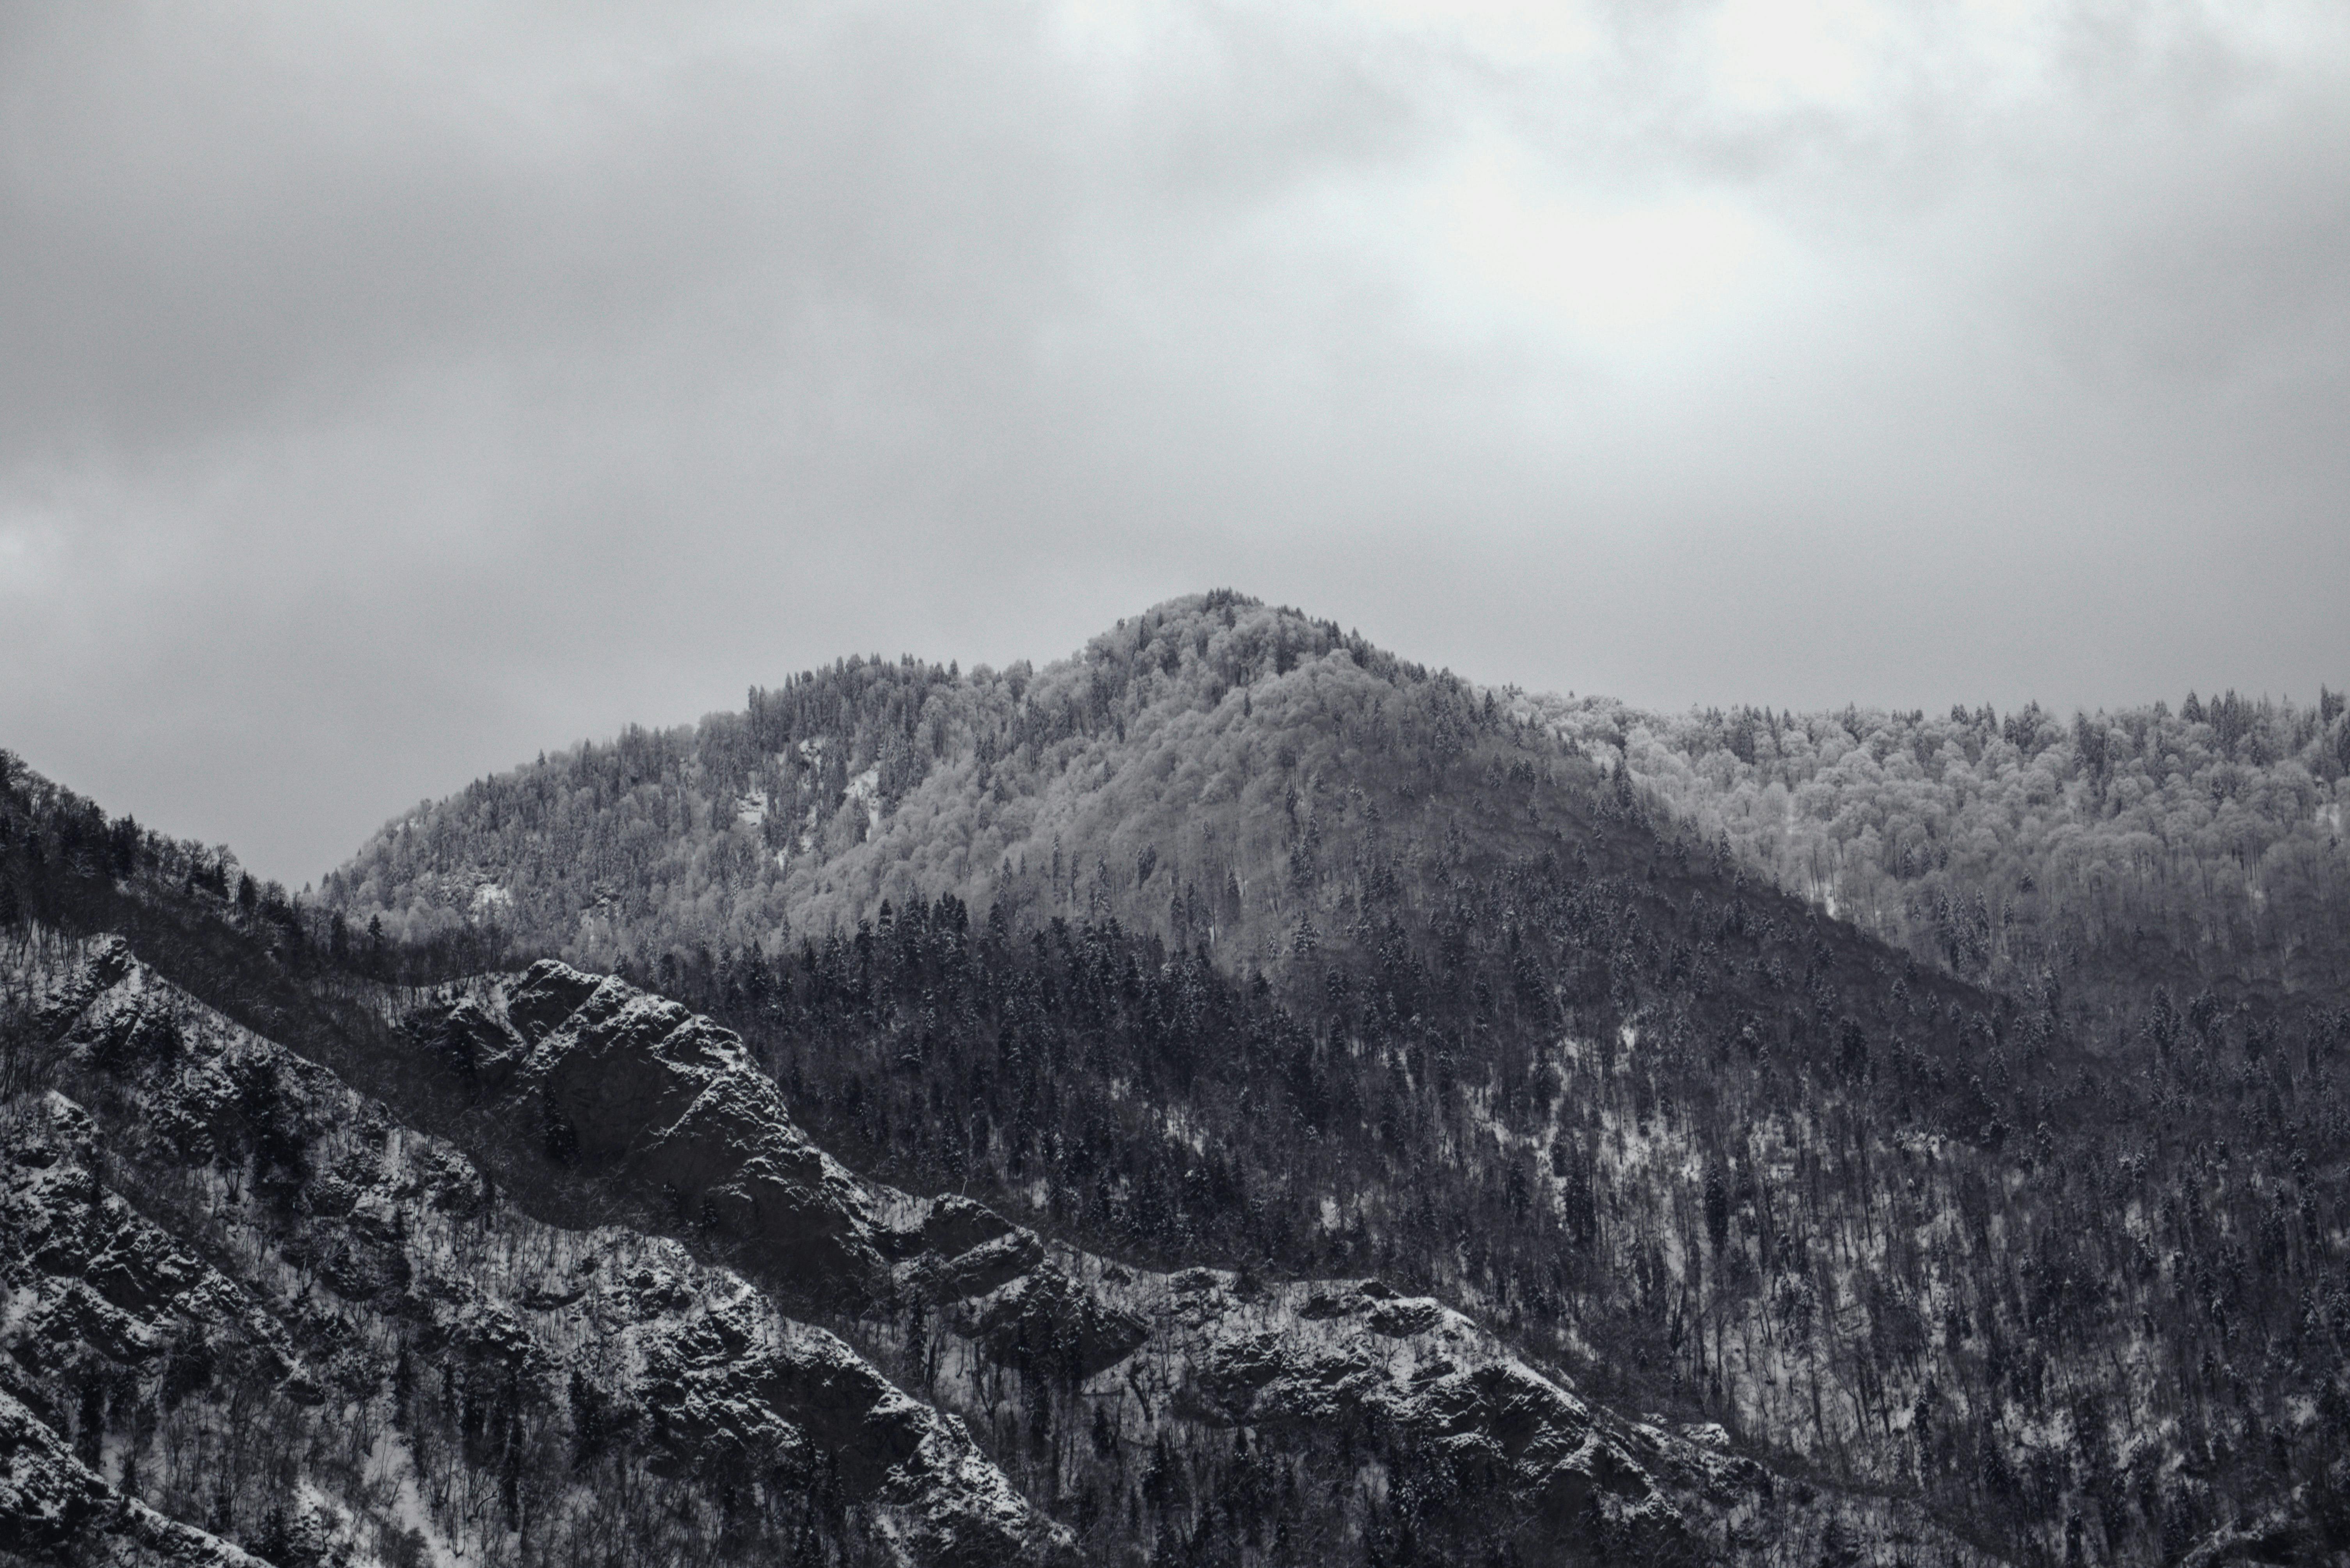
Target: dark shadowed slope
[{"x": 324, "y": 1324}]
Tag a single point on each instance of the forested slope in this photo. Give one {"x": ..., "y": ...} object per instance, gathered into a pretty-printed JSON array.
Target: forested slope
[
  {"x": 1188, "y": 773},
  {"x": 2195, "y": 849},
  {"x": 523, "y": 1298},
  {"x": 1236, "y": 940}
]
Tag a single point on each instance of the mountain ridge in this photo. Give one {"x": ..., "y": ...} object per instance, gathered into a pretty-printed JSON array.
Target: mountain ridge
[
  {"x": 2033, "y": 1237},
  {"x": 177, "y": 1078}
]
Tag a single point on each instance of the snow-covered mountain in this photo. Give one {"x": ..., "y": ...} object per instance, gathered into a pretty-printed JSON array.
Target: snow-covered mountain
[{"x": 1234, "y": 1095}]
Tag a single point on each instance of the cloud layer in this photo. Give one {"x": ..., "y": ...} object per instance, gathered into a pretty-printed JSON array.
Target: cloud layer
[{"x": 389, "y": 392}]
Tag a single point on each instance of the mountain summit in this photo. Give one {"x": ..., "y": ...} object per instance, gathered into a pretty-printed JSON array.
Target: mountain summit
[
  {"x": 1163, "y": 776},
  {"x": 1233, "y": 1095}
]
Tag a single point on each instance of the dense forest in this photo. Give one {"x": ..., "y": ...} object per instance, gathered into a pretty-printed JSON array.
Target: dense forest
[
  {"x": 1302, "y": 957},
  {"x": 1945, "y": 1108},
  {"x": 2142, "y": 847},
  {"x": 1912, "y": 1233},
  {"x": 441, "y": 1322}
]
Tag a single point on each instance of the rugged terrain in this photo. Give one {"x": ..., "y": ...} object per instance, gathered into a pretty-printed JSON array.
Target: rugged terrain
[
  {"x": 255, "y": 1299},
  {"x": 1504, "y": 1154},
  {"x": 247, "y": 1297}
]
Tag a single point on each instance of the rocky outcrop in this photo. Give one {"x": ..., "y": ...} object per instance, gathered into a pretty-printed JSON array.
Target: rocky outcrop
[
  {"x": 1027, "y": 1338},
  {"x": 242, "y": 1292},
  {"x": 1307, "y": 1355},
  {"x": 246, "y": 1304},
  {"x": 663, "y": 1102}
]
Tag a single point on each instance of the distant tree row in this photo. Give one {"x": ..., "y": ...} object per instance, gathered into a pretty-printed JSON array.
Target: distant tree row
[
  {"x": 1157, "y": 776},
  {"x": 2138, "y": 844},
  {"x": 64, "y": 860}
]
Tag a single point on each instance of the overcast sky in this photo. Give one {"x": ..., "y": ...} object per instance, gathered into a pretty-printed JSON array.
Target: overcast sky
[{"x": 389, "y": 392}]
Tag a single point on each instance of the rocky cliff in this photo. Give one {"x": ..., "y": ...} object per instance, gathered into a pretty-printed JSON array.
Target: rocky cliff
[
  {"x": 1137, "y": 1399},
  {"x": 251, "y": 1308},
  {"x": 242, "y": 1294}
]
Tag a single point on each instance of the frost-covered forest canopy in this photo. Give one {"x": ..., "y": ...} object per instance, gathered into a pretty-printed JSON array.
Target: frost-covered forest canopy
[
  {"x": 1158, "y": 775},
  {"x": 1161, "y": 774},
  {"x": 1947, "y": 1108},
  {"x": 2211, "y": 836}
]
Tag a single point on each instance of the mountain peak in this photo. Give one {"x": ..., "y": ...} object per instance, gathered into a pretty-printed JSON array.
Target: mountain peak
[{"x": 1164, "y": 745}]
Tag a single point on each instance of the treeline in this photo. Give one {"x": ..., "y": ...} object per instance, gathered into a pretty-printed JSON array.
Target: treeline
[
  {"x": 1152, "y": 777},
  {"x": 2204, "y": 846},
  {"x": 64, "y": 861}
]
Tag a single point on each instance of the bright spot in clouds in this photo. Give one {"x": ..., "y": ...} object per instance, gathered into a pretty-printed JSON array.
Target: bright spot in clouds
[
  {"x": 1613, "y": 275},
  {"x": 27, "y": 543},
  {"x": 1783, "y": 54}
]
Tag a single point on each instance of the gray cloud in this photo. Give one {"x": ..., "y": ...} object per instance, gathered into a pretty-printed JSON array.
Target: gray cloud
[{"x": 387, "y": 393}]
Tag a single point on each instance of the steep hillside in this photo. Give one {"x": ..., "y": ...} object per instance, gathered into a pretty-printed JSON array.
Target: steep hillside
[
  {"x": 1240, "y": 1419},
  {"x": 532, "y": 1306},
  {"x": 2056, "y": 1251},
  {"x": 253, "y": 1298}
]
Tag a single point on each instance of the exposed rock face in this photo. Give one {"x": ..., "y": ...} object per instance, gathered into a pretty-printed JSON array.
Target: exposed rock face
[
  {"x": 627, "y": 1079},
  {"x": 244, "y": 1305},
  {"x": 1306, "y": 1356},
  {"x": 237, "y": 1290},
  {"x": 1353, "y": 1390},
  {"x": 1496, "y": 1451}
]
